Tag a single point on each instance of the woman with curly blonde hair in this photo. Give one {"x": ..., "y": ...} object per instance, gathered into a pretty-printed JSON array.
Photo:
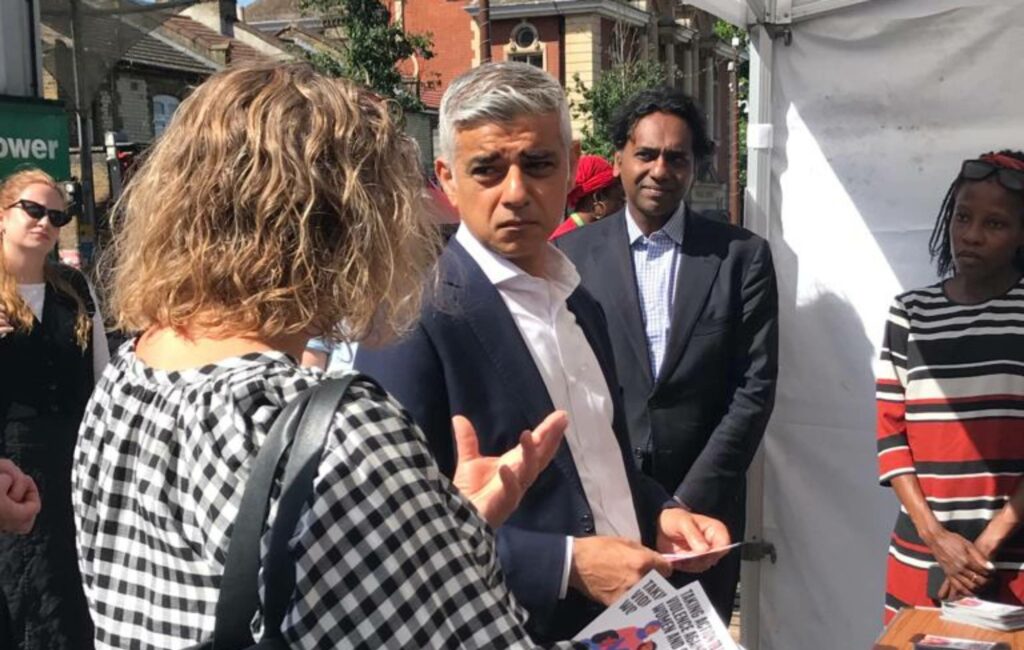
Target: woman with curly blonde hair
[
  {"x": 52, "y": 345},
  {"x": 277, "y": 204}
]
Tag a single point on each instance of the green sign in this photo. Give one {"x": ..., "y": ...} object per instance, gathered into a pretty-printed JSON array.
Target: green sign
[{"x": 34, "y": 133}]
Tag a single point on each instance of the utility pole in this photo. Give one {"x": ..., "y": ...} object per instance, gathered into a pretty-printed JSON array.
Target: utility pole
[
  {"x": 83, "y": 117},
  {"x": 484, "y": 18}
]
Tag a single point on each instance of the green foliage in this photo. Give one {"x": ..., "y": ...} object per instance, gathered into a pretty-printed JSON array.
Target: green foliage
[
  {"x": 371, "y": 49},
  {"x": 600, "y": 101},
  {"x": 727, "y": 31}
]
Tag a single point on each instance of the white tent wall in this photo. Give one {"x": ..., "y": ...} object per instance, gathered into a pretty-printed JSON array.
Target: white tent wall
[{"x": 873, "y": 106}]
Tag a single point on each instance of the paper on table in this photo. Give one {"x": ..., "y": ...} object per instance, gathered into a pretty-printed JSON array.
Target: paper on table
[
  {"x": 689, "y": 555},
  {"x": 933, "y": 642}
]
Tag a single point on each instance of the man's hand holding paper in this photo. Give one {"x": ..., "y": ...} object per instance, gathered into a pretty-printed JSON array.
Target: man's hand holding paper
[{"x": 681, "y": 531}]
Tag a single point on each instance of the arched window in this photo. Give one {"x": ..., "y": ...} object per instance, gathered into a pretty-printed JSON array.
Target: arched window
[
  {"x": 163, "y": 108},
  {"x": 525, "y": 45}
]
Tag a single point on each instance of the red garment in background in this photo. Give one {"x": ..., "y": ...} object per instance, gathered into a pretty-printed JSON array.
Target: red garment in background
[{"x": 568, "y": 225}]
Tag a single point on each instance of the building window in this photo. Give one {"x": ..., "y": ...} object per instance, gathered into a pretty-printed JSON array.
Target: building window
[
  {"x": 524, "y": 46},
  {"x": 536, "y": 60},
  {"x": 525, "y": 36},
  {"x": 163, "y": 108}
]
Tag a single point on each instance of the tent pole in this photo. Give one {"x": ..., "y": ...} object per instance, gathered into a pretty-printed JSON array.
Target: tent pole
[{"x": 757, "y": 218}]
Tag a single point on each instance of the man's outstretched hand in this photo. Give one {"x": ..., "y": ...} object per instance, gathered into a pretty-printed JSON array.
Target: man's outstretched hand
[{"x": 496, "y": 484}]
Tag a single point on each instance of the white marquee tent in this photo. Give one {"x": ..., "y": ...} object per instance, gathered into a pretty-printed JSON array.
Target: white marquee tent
[{"x": 861, "y": 111}]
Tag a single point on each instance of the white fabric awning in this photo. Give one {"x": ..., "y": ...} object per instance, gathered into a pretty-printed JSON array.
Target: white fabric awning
[{"x": 748, "y": 12}]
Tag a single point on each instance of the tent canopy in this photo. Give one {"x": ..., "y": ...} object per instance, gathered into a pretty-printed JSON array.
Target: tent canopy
[
  {"x": 859, "y": 117},
  {"x": 780, "y": 12}
]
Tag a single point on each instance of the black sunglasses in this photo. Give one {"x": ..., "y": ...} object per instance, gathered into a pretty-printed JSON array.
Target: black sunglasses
[
  {"x": 979, "y": 170},
  {"x": 57, "y": 217}
]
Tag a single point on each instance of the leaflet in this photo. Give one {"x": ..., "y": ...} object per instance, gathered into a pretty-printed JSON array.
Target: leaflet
[
  {"x": 653, "y": 614},
  {"x": 690, "y": 555},
  {"x": 935, "y": 642}
]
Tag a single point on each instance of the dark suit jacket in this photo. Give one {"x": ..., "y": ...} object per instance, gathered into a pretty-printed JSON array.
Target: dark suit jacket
[
  {"x": 696, "y": 428},
  {"x": 467, "y": 357}
]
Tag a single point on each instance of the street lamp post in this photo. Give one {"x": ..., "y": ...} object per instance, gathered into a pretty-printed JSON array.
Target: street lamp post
[{"x": 83, "y": 117}]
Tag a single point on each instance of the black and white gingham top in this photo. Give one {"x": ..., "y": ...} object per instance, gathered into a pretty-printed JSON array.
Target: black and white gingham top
[{"x": 388, "y": 555}]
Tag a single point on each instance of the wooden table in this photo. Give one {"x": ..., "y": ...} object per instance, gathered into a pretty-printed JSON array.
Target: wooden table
[{"x": 911, "y": 624}]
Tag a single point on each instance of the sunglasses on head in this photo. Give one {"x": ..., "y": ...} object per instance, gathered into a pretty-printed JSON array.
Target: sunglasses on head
[
  {"x": 57, "y": 217},
  {"x": 979, "y": 170}
]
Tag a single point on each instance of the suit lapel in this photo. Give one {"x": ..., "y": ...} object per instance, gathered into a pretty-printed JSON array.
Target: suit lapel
[
  {"x": 696, "y": 274},
  {"x": 480, "y": 304},
  {"x": 619, "y": 283}
]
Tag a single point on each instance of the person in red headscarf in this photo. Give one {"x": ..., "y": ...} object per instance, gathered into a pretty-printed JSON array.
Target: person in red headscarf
[
  {"x": 950, "y": 390},
  {"x": 596, "y": 194}
]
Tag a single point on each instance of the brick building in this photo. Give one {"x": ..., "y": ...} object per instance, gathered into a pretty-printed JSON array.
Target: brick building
[
  {"x": 135, "y": 76},
  {"x": 566, "y": 38}
]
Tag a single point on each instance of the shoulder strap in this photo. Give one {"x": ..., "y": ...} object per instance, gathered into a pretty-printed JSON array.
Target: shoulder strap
[
  {"x": 297, "y": 487},
  {"x": 238, "y": 600}
]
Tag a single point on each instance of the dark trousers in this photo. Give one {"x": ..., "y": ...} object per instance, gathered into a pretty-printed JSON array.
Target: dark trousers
[{"x": 42, "y": 604}]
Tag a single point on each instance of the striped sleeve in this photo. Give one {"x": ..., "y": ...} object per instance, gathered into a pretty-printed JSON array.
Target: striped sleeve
[{"x": 894, "y": 457}]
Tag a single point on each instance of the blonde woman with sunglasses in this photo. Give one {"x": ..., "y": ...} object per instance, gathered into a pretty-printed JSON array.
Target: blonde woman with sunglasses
[{"x": 52, "y": 346}]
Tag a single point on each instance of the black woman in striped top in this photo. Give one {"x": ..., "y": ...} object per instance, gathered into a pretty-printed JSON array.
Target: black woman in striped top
[{"x": 950, "y": 388}]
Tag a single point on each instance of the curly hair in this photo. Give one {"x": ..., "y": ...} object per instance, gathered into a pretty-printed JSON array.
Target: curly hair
[
  {"x": 277, "y": 202},
  {"x": 662, "y": 99},
  {"x": 939, "y": 244},
  {"x": 19, "y": 314}
]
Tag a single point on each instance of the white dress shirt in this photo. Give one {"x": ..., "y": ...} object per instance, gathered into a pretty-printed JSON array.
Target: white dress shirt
[
  {"x": 656, "y": 265},
  {"x": 572, "y": 376}
]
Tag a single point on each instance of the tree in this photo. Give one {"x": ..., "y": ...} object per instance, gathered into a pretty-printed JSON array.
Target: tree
[
  {"x": 629, "y": 73},
  {"x": 372, "y": 47}
]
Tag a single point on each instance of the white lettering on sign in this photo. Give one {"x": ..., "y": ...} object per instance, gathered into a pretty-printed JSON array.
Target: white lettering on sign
[{"x": 28, "y": 148}]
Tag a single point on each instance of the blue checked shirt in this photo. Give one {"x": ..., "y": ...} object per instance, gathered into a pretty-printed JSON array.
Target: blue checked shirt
[{"x": 656, "y": 263}]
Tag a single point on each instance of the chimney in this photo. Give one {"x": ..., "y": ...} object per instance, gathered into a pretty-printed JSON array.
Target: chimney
[
  {"x": 221, "y": 52},
  {"x": 228, "y": 10}
]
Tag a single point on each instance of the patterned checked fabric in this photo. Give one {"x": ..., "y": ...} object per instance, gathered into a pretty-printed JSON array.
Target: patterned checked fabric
[
  {"x": 388, "y": 555},
  {"x": 656, "y": 263}
]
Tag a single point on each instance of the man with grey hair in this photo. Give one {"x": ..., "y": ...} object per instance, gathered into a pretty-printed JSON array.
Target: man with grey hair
[{"x": 509, "y": 336}]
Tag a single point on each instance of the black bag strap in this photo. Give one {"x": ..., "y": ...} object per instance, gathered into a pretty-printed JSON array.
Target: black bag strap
[
  {"x": 239, "y": 588},
  {"x": 304, "y": 423},
  {"x": 297, "y": 487}
]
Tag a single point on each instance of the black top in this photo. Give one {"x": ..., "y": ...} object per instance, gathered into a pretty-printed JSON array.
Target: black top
[{"x": 52, "y": 375}]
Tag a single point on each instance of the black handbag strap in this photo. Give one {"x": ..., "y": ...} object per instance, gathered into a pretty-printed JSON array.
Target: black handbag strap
[
  {"x": 297, "y": 487},
  {"x": 304, "y": 423}
]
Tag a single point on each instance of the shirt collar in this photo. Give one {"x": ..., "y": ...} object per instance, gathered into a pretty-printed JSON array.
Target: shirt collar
[
  {"x": 562, "y": 274},
  {"x": 674, "y": 227}
]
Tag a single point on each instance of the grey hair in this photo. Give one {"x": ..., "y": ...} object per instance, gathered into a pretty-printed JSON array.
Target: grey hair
[{"x": 499, "y": 92}]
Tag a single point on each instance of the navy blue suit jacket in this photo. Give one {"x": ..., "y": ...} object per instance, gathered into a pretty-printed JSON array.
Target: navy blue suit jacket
[
  {"x": 467, "y": 357},
  {"x": 695, "y": 427}
]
